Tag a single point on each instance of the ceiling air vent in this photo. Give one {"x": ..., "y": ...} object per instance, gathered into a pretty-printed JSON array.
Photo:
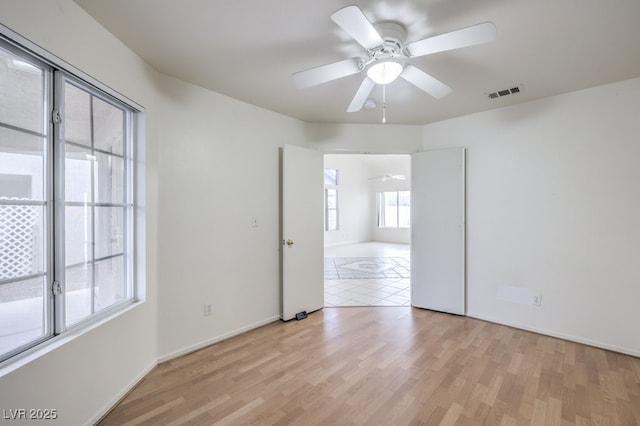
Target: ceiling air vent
[{"x": 504, "y": 92}]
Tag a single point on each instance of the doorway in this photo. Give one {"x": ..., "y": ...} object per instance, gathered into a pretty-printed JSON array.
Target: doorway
[
  {"x": 437, "y": 233},
  {"x": 367, "y": 230}
]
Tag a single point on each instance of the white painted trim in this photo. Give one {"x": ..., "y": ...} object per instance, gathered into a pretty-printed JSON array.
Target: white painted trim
[
  {"x": 106, "y": 409},
  {"x": 216, "y": 339},
  {"x": 594, "y": 343}
]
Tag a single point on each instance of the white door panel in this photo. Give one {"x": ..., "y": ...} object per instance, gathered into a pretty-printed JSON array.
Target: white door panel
[
  {"x": 438, "y": 230},
  {"x": 302, "y": 228}
]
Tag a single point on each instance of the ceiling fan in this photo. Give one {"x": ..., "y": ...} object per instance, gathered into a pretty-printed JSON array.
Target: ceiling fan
[
  {"x": 388, "y": 176},
  {"x": 387, "y": 56}
]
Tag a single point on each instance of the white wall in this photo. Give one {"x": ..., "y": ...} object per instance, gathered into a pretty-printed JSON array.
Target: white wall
[
  {"x": 218, "y": 169},
  {"x": 86, "y": 376},
  {"x": 364, "y": 138},
  {"x": 553, "y": 206},
  {"x": 355, "y": 199}
]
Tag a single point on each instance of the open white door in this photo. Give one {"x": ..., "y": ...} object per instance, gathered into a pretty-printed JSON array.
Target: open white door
[
  {"x": 302, "y": 231},
  {"x": 438, "y": 230}
]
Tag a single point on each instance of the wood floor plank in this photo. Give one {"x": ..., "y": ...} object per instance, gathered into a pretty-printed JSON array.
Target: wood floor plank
[{"x": 388, "y": 365}]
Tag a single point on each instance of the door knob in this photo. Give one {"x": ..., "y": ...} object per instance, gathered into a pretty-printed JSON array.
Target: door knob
[{"x": 289, "y": 242}]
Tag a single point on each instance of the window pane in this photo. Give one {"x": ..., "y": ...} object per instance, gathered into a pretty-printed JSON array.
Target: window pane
[
  {"x": 330, "y": 177},
  {"x": 77, "y": 116},
  {"x": 110, "y": 282},
  {"x": 22, "y": 241},
  {"x": 78, "y": 235},
  {"x": 22, "y": 91},
  {"x": 77, "y": 169},
  {"x": 22, "y": 313},
  {"x": 404, "y": 198},
  {"x": 108, "y": 122},
  {"x": 391, "y": 209},
  {"x": 109, "y": 179},
  {"x": 21, "y": 165},
  {"x": 404, "y": 209},
  {"x": 78, "y": 284},
  {"x": 332, "y": 199},
  {"x": 109, "y": 231},
  {"x": 96, "y": 237},
  {"x": 390, "y": 217},
  {"x": 332, "y": 220},
  {"x": 331, "y": 209},
  {"x": 23, "y": 212},
  {"x": 391, "y": 199}
]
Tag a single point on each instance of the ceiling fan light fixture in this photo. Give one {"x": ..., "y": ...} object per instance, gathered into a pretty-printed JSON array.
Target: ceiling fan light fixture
[{"x": 384, "y": 72}]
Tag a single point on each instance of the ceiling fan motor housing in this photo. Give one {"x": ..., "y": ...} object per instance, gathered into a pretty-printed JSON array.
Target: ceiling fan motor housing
[{"x": 394, "y": 34}]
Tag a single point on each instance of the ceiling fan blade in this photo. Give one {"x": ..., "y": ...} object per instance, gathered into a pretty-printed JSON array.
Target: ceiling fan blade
[
  {"x": 361, "y": 95},
  {"x": 352, "y": 20},
  {"x": 469, "y": 36},
  {"x": 424, "y": 81},
  {"x": 324, "y": 73}
]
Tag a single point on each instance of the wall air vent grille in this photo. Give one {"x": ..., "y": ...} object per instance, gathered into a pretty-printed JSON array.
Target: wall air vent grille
[{"x": 505, "y": 92}]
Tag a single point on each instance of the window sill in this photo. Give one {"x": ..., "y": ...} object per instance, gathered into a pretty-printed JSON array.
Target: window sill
[{"x": 18, "y": 361}]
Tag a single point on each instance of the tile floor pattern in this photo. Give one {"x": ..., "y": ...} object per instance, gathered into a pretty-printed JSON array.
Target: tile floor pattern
[
  {"x": 366, "y": 267},
  {"x": 367, "y": 292},
  {"x": 367, "y": 274}
]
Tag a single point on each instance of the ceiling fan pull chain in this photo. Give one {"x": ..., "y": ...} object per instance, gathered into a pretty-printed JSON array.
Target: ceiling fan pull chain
[{"x": 384, "y": 104}]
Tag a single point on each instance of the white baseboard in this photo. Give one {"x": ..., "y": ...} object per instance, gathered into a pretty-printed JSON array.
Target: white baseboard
[
  {"x": 122, "y": 394},
  {"x": 216, "y": 339},
  {"x": 594, "y": 343}
]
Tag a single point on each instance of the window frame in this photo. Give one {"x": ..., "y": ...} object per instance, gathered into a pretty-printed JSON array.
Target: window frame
[{"x": 133, "y": 253}]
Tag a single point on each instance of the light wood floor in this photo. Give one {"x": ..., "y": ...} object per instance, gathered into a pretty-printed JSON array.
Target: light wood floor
[{"x": 383, "y": 366}]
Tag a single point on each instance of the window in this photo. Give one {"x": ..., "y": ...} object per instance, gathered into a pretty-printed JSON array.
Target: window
[
  {"x": 394, "y": 209},
  {"x": 331, "y": 221},
  {"x": 331, "y": 177},
  {"x": 66, "y": 201},
  {"x": 331, "y": 209}
]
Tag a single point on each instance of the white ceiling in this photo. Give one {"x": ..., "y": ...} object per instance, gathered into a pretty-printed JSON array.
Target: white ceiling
[{"x": 248, "y": 49}]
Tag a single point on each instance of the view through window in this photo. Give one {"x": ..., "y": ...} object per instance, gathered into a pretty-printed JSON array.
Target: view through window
[
  {"x": 66, "y": 201},
  {"x": 394, "y": 209}
]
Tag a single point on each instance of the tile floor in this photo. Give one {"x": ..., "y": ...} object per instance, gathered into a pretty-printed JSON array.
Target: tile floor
[
  {"x": 367, "y": 292},
  {"x": 366, "y": 268},
  {"x": 367, "y": 274}
]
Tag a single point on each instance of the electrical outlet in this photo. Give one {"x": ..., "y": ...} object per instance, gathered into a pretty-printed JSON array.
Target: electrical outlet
[
  {"x": 208, "y": 309},
  {"x": 537, "y": 300}
]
